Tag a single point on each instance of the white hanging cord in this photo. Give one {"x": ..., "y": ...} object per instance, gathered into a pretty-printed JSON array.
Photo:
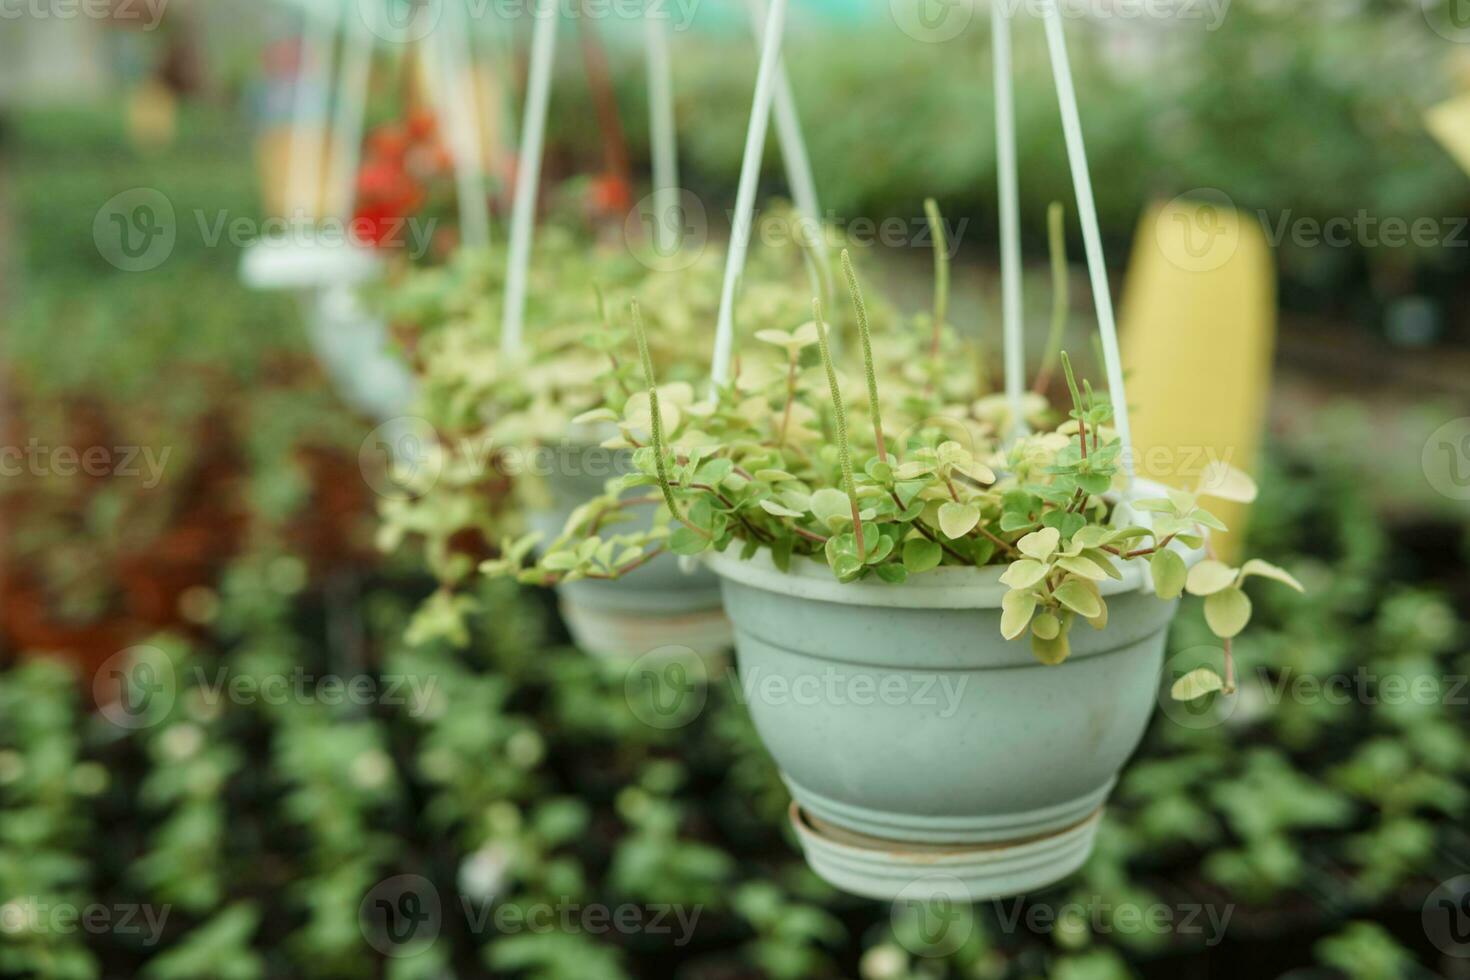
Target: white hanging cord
[
  {"x": 661, "y": 133},
  {"x": 1091, "y": 234},
  {"x": 794, "y": 153},
  {"x": 528, "y": 172},
  {"x": 459, "y": 96},
  {"x": 755, "y": 142},
  {"x": 357, "y": 60},
  {"x": 313, "y": 69},
  {"x": 1010, "y": 216},
  {"x": 496, "y": 118}
]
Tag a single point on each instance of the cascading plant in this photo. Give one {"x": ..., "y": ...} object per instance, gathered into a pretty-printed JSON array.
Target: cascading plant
[{"x": 895, "y": 483}]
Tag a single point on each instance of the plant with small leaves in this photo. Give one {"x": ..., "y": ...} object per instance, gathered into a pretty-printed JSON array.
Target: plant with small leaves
[{"x": 784, "y": 460}]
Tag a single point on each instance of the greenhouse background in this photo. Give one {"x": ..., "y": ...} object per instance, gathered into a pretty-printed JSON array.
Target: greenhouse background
[{"x": 273, "y": 704}]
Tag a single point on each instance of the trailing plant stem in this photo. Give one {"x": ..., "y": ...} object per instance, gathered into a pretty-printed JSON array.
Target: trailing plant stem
[
  {"x": 844, "y": 455},
  {"x": 1060, "y": 295},
  {"x": 865, "y": 334},
  {"x": 656, "y": 424}
]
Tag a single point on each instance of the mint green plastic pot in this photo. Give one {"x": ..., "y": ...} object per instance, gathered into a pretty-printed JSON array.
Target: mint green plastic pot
[
  {"x": 908, "y": 728},
  {"x": 659, "y": 604}
]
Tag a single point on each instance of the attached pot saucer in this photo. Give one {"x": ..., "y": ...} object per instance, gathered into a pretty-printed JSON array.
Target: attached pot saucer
[
  {"x": 299, "y": 261},
  {"x": 887, "y": 870},
  {"x": 605, "y": 630}
]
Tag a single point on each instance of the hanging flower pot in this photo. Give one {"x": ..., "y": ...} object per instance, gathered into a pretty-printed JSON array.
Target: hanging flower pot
[
  {"x": 949, "y": 630},
  {"x": 524, "y": 414},
  {"x": 355, "y": 350},
  {"x": 662, "y": 605},
  {"x": 917, "y": 740}
]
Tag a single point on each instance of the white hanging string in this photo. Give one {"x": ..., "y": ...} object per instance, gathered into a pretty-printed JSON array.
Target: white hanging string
[
  {"x": 793, "y": 151},
  {"x": 459, "y": 97},
  {"x": 661, "y": 133},
  {"x": 352, "y": 85},
  {"x": 490, "y": 89},
  {"x": 528, "y": 172},
  {"x": 755, "y": 142},
  {"x": 1010, "y": 216},
  {"x": 1091, "y": 234},
  {"x": 313, "y": 68}
]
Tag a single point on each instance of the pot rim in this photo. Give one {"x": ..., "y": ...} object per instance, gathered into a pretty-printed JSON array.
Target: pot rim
[{"x": 945, "y": 587}]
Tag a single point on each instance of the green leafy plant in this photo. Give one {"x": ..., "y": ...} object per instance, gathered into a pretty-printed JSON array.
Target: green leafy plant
[{"x": 782, "y": 461}]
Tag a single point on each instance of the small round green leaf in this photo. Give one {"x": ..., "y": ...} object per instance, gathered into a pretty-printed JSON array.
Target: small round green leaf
[
  {"x": 956, "y": 520},
  {"x": 1169, "y": 573},
  {"x": 921, "y": 554},
  {"x": 1196, "y": 684},
  {"x": 1040, "y": 544},
  {"x": 1228, "y": 612},
  {"x": 1209, "y": 577}
]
